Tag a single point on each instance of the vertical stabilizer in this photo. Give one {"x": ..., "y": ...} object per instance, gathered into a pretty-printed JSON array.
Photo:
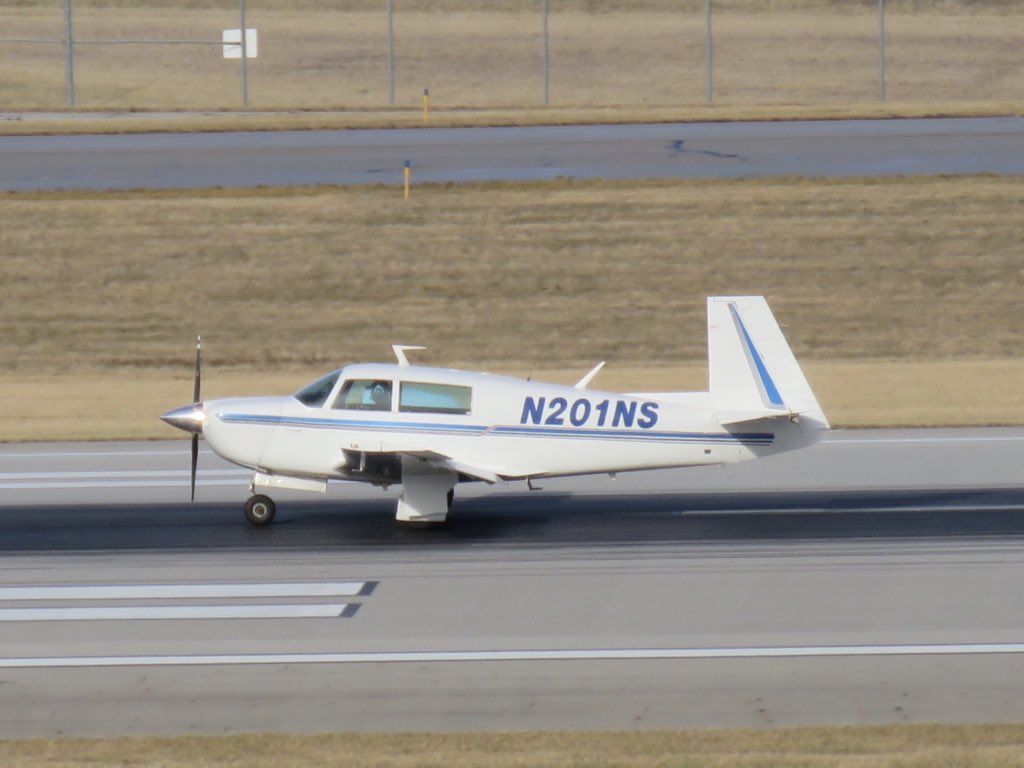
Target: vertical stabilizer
[{"x": 752, "y": 370}]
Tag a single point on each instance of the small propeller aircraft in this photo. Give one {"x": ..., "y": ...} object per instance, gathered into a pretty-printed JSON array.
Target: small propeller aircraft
[{"x": 429, "y": 429}]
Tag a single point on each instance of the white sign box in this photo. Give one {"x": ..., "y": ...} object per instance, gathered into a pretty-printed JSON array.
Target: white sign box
[{"x": 232, "y": 40}]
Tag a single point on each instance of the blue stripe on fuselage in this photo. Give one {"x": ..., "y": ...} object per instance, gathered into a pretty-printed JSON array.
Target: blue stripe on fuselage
[{"x": 434, "y": 428}]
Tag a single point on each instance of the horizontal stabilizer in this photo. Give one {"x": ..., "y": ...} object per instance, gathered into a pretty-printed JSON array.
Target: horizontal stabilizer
[{"x": 725, "y": 418}]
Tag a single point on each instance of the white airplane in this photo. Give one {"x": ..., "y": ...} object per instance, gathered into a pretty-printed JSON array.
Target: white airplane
[{"x": 429, "y": 429}]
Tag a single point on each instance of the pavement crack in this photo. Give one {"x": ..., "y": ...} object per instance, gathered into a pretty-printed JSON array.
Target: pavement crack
[{"x": 678, "y": 147}]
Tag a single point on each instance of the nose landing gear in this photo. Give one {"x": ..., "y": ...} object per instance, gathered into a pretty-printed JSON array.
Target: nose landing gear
[{"x": 260, "y": 510}]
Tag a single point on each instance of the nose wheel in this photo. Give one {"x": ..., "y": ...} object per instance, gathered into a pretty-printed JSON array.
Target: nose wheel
[{"x": 260, "y": 510}]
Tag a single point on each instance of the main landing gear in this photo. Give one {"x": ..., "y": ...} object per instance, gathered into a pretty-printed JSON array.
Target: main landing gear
[{"x": 260, "y": 510}]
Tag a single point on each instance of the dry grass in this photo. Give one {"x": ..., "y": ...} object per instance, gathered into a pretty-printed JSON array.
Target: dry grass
[
  {"x": 968, "y": 7},
  {"x": 536, "y": 275},
  {"x": 102, "y": 293},
  {"x": 866, "y": 393},
  {"x": 644, "y": 56},
  {"x": 30, "y": 123},
  {"x": 906, "y": 746}
]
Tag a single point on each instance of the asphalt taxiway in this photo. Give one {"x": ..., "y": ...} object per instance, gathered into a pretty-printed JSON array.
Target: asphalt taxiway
[
  {"x": 873, "y": 578},
  {"x": 836, "y": 148}
]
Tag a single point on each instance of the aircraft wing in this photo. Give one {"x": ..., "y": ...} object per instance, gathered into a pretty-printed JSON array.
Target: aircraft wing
[{"x": 489, "y": 473}]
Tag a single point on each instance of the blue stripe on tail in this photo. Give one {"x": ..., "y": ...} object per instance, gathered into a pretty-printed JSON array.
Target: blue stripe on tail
[{"x": 769, "y": 392}]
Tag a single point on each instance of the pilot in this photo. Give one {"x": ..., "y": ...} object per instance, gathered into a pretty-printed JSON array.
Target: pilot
[{"x": 380, "y": 395}]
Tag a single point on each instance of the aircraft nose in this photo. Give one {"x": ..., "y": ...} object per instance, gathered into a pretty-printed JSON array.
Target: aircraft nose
[{"x": 189, "y": 418}]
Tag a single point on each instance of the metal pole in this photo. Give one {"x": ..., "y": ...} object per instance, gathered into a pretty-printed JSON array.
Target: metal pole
[
  {"x": 245, "y": 57},
  {"x": 881, "y": 49},
  {"x": 69, "y": 57},
  {"x": 708, "y": 59},
  {"x": 391, "y": 54},
  {"x": 544, "y": 37}
]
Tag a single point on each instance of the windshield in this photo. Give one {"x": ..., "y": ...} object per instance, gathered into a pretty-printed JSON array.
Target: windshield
[{"x": 315, "y": 395}]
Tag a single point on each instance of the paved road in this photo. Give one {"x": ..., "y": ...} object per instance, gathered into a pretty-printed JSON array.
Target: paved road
[
  {"x": 709, "y": 150},
  {"x": 872, "y": 580}
]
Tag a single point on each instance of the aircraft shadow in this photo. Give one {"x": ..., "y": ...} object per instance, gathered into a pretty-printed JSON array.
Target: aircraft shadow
[{"x": 536, "y": 520}]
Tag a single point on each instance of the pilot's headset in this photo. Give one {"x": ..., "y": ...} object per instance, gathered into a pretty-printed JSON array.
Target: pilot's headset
[{"x": 378, "y": 393}]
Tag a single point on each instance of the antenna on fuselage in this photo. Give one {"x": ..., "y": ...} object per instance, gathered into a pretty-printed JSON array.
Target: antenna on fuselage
[
  {"x": 582, "y": 383},
  {"x": 400, "y": 350}
]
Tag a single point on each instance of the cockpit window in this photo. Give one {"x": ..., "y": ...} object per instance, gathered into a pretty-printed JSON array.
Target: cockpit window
[
  {"x": 315, "y": 395},
  {"x": 419, "y": 397},
  {"x": 365, "y": 395}
]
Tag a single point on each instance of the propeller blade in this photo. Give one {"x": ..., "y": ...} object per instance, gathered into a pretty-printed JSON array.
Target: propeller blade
[
  {"x": 196, "y": 387},
  {"x": 195, "y": 399},
  {"x": 195, "y": 461}
]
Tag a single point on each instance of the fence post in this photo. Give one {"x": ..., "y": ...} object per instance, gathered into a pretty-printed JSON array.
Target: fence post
[
  {"x": 544, "y": 38},
  {"x": 708, "y": 59},
  {"x": 391, "y": 54},
  {"x": 881, "y": 49},
  {"x": 69, "y": 57},
  {"x": 245, "y": 55}
]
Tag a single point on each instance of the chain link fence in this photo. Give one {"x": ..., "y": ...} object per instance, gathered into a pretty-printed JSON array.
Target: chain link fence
[{"x": 315, "y": 54}]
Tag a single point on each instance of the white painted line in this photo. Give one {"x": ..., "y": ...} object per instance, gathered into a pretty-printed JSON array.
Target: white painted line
[
  {"x": 178, "y": 612},
  {"x": 919, "y": 440},
  {"x": 155, "y": 478},
  {"x": 121, "y": 474},
  {"x": 89, "y": 454},
  {"x": 419, "y": 657},
  {"x": 35, "y": 486},
  {"x": 183, "y": 591},
  {"x": 851, "y": 510}
]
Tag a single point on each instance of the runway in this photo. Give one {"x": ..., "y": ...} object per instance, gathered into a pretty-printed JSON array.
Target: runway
[
  {"x": 837, "y": 148},
  {"x": 874, "y": 578}
]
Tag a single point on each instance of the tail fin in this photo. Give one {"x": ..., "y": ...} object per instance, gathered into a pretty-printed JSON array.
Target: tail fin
[{"x": 752, "y": 371}]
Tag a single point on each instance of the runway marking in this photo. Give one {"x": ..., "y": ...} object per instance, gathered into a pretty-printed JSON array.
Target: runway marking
[
  {"x": 918, "y": 440},
  {"x": 119, "y": 473},
  {"x": 180, "y": 612},
  {"x": 77, "y": 454},
  {"x": 835, "y": 439},
  {"x": 118, "y": 484},
  {"x": 186, "y": 591},
  {"x": 420, "y": 657},
  {"x": 157, "y": 478},
  {"x": 851, "y": 510}
]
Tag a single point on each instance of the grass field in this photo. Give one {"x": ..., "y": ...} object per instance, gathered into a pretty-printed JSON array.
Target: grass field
[
  {"x": 897, "y": 746},
  {"x": 104, "y": 293},
  {"x": 643, "y": 56}
]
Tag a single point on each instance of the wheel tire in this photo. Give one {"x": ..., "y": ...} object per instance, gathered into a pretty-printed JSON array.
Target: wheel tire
[{"x": 260, "y": 510}]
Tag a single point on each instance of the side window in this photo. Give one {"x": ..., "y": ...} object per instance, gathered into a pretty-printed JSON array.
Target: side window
[
  {"x": 418, "y": 397},
  {"x": 365, "y": 395}
]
